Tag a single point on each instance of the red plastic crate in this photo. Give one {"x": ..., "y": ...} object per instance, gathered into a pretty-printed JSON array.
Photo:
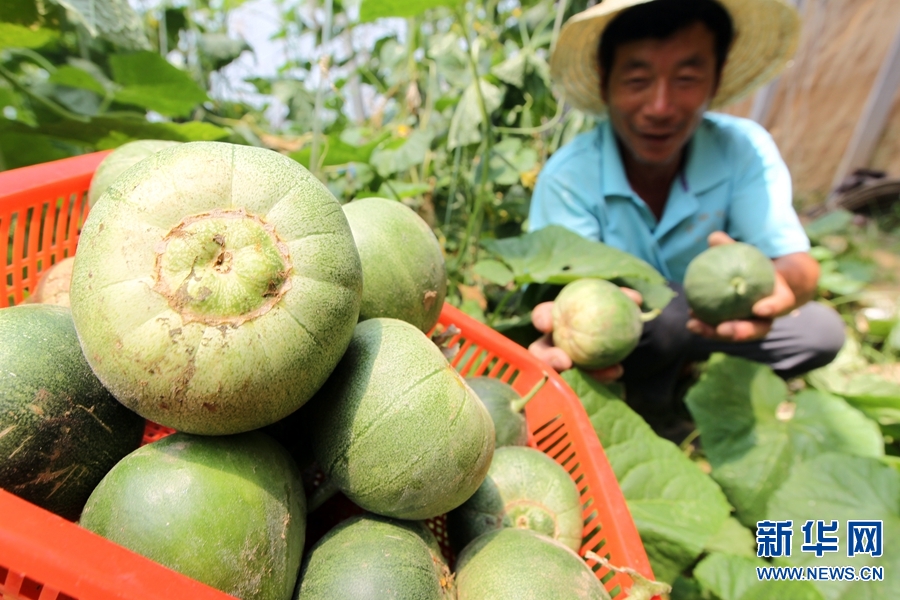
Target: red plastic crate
[{"x": 44, "y": 557}]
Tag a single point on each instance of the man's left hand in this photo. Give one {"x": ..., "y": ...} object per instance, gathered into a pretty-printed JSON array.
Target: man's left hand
[{"x": 780, "y": 302}]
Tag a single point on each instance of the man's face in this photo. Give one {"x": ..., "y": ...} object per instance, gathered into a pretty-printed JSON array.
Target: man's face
[{"x": 658, "y": 90}]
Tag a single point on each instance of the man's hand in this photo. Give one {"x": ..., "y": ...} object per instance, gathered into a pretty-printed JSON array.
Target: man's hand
[
  {"x": 543, "y": 348},
  {"x": 780, "y": 302}
]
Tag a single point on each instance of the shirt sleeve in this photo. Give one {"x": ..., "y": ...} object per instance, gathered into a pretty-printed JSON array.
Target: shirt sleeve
[
  {"x": 560, "y": 199},
  {"x": 761, "y": 212}
]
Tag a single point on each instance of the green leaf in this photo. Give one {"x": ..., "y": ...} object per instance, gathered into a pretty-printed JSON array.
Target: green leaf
[
  {"x": 508, "y": 159},
  {"x": 398, "y": 190},
  {"x": 76, "y": 78},
  {"x": 512, "y": 70},
  {"x": 558, "y": 256},
  {"x": 676, "y": 507},
  {"x": 23, "y": 12},
  {"x": 753, "y": 433},
  {"x": 148, "y": 80},
  {"x": 16, "y": 36},
  {"x": 733, "y": 538},
  {"x": 219, "y": 49},
  {"x": 834, "y": 222},
  {"x": 409, "y": 153},
  {"x": 493, "y": 271},
  {"x": 837, "y": 487},
  {"x": 540, "y": 66},
  {"x": 338, "y": 152},
  {"x": 23, "y": 149},
  {"x": 377, "y": 9},
  {"x": 846, "y": 376},
  {"x": 467, "y": 118},
  {"x": 113, "y": 20},
  {"x": 135, "y": 127},
  {"x": 731, "y": 577}
]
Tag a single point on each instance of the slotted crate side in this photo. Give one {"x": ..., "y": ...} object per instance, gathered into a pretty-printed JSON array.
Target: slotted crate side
[
  {"x": 559, "y": 427},
  {"x": 43, "y": 207}
]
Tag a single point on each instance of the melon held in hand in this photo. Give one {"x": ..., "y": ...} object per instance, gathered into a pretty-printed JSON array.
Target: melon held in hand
[{"x": 215, "y": 287}]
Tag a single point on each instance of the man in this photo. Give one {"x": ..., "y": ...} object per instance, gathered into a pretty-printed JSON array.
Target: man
[{"x": 662, "y": 178}]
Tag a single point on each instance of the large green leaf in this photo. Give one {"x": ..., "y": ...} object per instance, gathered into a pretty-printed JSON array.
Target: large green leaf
[
  {"x": 838, "y": 487},
  {"x": 406, "y": 153},
  {"x": 467, "y": 118},
  {"x": 113, "y": 20},
  {"x": 16, "y": 36},
  {"x": 754, "y": 433},
  {"x": 731, "y": 577},
  {"x": 676, "y": 507},
  {"x": 76, "y": 78},
  {"x": 23, "y": 12},
  {"x": 558, "y": 256},
  {"x": 148, "y": 80},
  {"x": 22, "y": 149},
  {"x": 133, "y": 127},
  {"x": 335, "y": 151},
  {"x": 733, "y": 538},
  {"x": 377, "y": 9}
]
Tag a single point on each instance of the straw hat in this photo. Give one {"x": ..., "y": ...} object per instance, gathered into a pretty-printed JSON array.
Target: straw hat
[{"x": 765, "y": 37}]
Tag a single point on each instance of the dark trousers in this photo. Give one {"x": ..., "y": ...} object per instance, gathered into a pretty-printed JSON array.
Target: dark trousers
[{"x": 808, "y": 338}]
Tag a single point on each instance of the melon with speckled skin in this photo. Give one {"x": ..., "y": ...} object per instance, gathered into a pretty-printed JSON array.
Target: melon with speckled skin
[
  {"x": 524, "y": 488},
  {"x": 723, "y": 282},
  {"x": 595, "y": 323},
  {"x": 520, "y": 564},
  {"x": 53, "y": 287},
  {"x": 375, "y": 558},
  {"x": 228, "y": 511},
  {"x": 397, "y": 429},
  {"x": 60, "y": 430},
  {"x": 404, "y": 276},
  {"x": 510, "y": 426},
  {"x": 217, "y": 289},
  {"x": 119, "y": 160}
]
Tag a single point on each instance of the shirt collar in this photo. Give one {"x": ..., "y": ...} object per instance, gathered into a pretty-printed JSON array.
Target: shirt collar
[{"x": 706, "y": 166}]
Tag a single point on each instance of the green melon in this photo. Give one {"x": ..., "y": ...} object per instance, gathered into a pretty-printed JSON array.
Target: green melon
[
  {"x": 404, "y": 276},
  {"x": 60, "y": 430},
  {"x": 505, "y": 406},
  {"x": 53, "y": 287},
  {"x": 520, "y": 564},
  {"x": 595, "y": 323},
  {"x": 723, "y": 282},
  {"x": 227, "y": 511},
  {"x": 524, "y": 488},
  {"x": 119, "y": 160},
  {"x": 375, "y": 558},
  {"x": 397, "y": 429},
  {"x": 217, "y": 289}
]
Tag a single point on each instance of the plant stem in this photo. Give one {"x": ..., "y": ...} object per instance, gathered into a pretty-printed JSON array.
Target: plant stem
[
  {"x": 518, "y": 405},
  {"x": 451, "y": 199},
  {"x": 320, "y": 91},
  {"x": 46, "y": 102},
  {"x": 538, "y": 129}
]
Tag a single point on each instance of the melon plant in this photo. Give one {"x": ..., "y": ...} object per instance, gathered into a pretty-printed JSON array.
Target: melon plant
[
  {"x": 228, "y": 511},
  {"x": 60, "y": 430},
  {"x": 524, "y": 488},
  {"x": 520, "y": 564},
  {"x": 723, "y": 282},
  {"x": 397, "y": 429},
  {"x": 119, "y": 160},
  {"x": 404, "y": 276},
  {"x": 505, "y": 406},
  {"x": 217, "y": 289},
  {"x": 595, "y": 323},
  {"x": 368, "y": 557},
  {"x": 53, "y": 287}
]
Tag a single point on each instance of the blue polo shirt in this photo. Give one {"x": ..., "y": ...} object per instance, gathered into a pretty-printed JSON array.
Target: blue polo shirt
[{"x": 734, "y": 181}]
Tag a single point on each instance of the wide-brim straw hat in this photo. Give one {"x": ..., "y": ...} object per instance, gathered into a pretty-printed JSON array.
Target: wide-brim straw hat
[{"x": 765, "y": 38}]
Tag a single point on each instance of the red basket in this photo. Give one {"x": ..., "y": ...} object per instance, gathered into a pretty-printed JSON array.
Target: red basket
[{"x": 44, "y": 557}]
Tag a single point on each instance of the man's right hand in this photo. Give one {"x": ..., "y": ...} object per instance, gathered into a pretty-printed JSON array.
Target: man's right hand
[{"x": 543, "y": 348}]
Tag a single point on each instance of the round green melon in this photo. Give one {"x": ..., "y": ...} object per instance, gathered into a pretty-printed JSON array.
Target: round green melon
[
  {"x": 397, "y": 429},
  {"x": 723, "y": 282},
  {"x": 228, "y": 511},
  {"x": 595, "y": 323},
  {"x": 119, "y": 160},
  {"x": 60, "y": 430},
  {"x": 520, "y": 564},
  {"x": 218, "y": 289},
  {"x": 505, "y": 406},
  {"x": 524, "y": 488},
  {"x": 375, "y": 558},
  {"x": 404, "y": 276},
  {"x": 53, "y": 287}
]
